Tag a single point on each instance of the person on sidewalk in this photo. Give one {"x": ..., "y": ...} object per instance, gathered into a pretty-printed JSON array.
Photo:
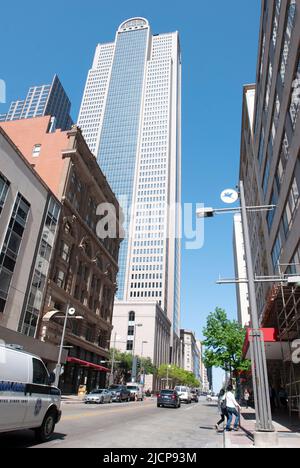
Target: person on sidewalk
[
  {"x": 222, "y": 408},
  {"x": 233, "y": 409},
  {"x": 246, "y": 398}
]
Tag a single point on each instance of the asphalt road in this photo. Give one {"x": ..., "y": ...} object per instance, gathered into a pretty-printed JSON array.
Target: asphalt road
[{"x": 128, "y": 425}]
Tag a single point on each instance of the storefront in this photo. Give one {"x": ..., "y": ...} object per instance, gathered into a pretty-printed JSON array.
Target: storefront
[{"x": 79, "y": 373}]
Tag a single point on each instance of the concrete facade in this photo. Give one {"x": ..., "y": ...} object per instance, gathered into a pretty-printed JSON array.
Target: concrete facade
[
  {"x": 192, "y": 353},
  {"x": 152, "y": 339},
  {"x": 270, "y": 169},
  {"x": 21, "y": 247},
  {"x": 240, "y": 271}
]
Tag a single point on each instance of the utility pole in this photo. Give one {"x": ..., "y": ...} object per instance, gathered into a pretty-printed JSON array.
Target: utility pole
[{"x": 258, "y": 356}]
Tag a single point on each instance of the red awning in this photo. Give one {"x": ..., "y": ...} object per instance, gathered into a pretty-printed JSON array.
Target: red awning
[
  {"x": 275, "y": 350},
  {"x": 87, "y": 364}
]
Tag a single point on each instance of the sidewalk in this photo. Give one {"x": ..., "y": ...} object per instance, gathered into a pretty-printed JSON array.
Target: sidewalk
[{"x": 288, "y": 431}]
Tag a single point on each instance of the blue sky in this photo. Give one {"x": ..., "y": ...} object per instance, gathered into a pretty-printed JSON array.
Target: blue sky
[{"x": 219, "y": 43}]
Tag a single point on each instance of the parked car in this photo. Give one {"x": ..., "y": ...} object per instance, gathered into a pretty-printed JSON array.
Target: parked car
[
  {"x": 168, "y": 398},
  {"x": 27, "y": 398},
  {"x": 194, "y": 395},
  {"x": 136, "y": 391},
  {"x": 101, "y": 395},
  {"x": 119, "y": 393},
  {"x": 184, "y": 394}
]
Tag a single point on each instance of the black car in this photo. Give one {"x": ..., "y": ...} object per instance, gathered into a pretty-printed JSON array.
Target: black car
[
  {"x": 119, "y": 393},
  {"x": 195, "y": 397},
  {"x": 168, "y": 398}
]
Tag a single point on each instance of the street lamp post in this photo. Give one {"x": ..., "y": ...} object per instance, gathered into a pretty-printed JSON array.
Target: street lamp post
[
  {"x": 69, "y": 314},
  {"x": 143, "y": 368},
  {"x": 258, "y": 358},
  {"x": 133, "y": 369},
  {"x": 168, "y": 367},
  {"x": 111, "y": 377}
]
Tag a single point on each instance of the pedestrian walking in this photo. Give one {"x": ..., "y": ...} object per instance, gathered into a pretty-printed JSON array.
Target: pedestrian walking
[
  {"x": 233, "y": 409},
  {"x": 246, "y": 398},
  {"x": 222, "y": 408}
]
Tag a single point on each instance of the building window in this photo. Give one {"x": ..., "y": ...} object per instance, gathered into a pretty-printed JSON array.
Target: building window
[
  {"x": 130, "y": 331},
  {"x": 261, "y": 147},
  {"x": 131, "y": 316},
  {"x": 60, "y": 278},
  {"x": 4, "y": 186},
  {"x": 11, "y": 246},
  {"x": 89, "y": 336},
  {"x": 36, "y": 151},
  {"x": 287, "y": 40},
  {"x": 65, "y": 251},
  {"x": 269, "y": 84},
  {"x": 28, "y": 323},
  {"x": 295, "y": 99},
  {"x": 129, "y": 346},
  {"x": 276, "y": 251}
]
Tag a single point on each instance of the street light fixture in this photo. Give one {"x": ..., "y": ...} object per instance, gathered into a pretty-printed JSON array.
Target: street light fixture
[{"x": 258, "y": 357}]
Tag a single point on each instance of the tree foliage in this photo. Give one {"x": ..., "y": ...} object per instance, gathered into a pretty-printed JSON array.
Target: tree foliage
[
  {"x": 123, "y": 366},
  {"x": 224, "y": 341},
  {"x": 177, "y": 376}
]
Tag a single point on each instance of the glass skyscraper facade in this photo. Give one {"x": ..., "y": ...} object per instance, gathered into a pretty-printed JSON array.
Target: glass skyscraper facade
[
  {"x": 131, "y": 118},
  {"x": 43, "y": 100}
]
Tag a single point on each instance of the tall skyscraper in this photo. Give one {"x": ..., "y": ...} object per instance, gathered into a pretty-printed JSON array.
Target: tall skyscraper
[
  {"x": 50, "y": 99},
  {"x": 131, "y": 118}
]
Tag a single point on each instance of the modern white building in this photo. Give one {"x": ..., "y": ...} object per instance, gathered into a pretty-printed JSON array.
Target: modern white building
[
  {"x": 240, "y": 271},
  {"x": 130, "y": 116}
]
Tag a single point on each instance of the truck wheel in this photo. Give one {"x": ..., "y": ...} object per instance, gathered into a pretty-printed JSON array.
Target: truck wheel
[{"x": 45, "y": 431}]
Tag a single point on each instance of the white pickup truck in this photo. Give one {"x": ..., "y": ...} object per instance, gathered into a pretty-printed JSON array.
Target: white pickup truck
[{"x": 27, "y": 398}]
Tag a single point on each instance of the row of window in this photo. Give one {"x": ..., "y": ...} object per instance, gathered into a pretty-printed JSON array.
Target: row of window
[
  {"x": 289, "y": 212},
  {"x": 11, "y": 246}
]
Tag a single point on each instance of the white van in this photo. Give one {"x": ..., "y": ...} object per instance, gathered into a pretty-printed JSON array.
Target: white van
[
  {"x": 27, "y": 399},
  {"x": 184, "y": 394},
  {"x": 136, "y": 391}
]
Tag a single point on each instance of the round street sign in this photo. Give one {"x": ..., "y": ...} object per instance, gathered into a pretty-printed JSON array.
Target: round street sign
[
  {"x": 72, "y": 311},
  {"x": 229, "y": 196}
]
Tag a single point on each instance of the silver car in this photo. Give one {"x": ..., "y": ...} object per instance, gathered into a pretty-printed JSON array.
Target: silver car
[{"x": 98, "y": 396}]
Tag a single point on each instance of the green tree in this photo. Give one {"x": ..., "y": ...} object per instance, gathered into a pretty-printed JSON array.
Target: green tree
[
  {"x": 123, "y": 366},
  {"x": 177, "y": 376},
  {"x": 224, "y": 341}
]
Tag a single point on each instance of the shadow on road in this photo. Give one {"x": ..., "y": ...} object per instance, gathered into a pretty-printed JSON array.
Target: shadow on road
[
  {"x": 208, "y": 428},
  {"x": 24, "y": 439}
]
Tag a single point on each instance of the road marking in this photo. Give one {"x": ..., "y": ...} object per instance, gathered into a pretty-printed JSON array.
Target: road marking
[{"x": 99, "y": 413}]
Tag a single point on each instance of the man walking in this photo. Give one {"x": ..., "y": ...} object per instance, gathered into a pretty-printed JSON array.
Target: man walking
[{"x": 233, "y": 409}]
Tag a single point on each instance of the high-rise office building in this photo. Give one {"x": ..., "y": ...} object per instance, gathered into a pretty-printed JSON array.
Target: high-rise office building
[
  {"x": 270, "y": 168},
  {"x": 131, "y": 118},
  {"x": 50, "y": 99}
]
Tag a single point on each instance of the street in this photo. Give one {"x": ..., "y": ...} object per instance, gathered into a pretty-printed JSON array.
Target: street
[{"x": 128, "y": 425}]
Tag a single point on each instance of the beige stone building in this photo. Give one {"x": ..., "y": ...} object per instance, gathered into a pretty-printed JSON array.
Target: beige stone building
[{"x": 83, "y": 267}]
